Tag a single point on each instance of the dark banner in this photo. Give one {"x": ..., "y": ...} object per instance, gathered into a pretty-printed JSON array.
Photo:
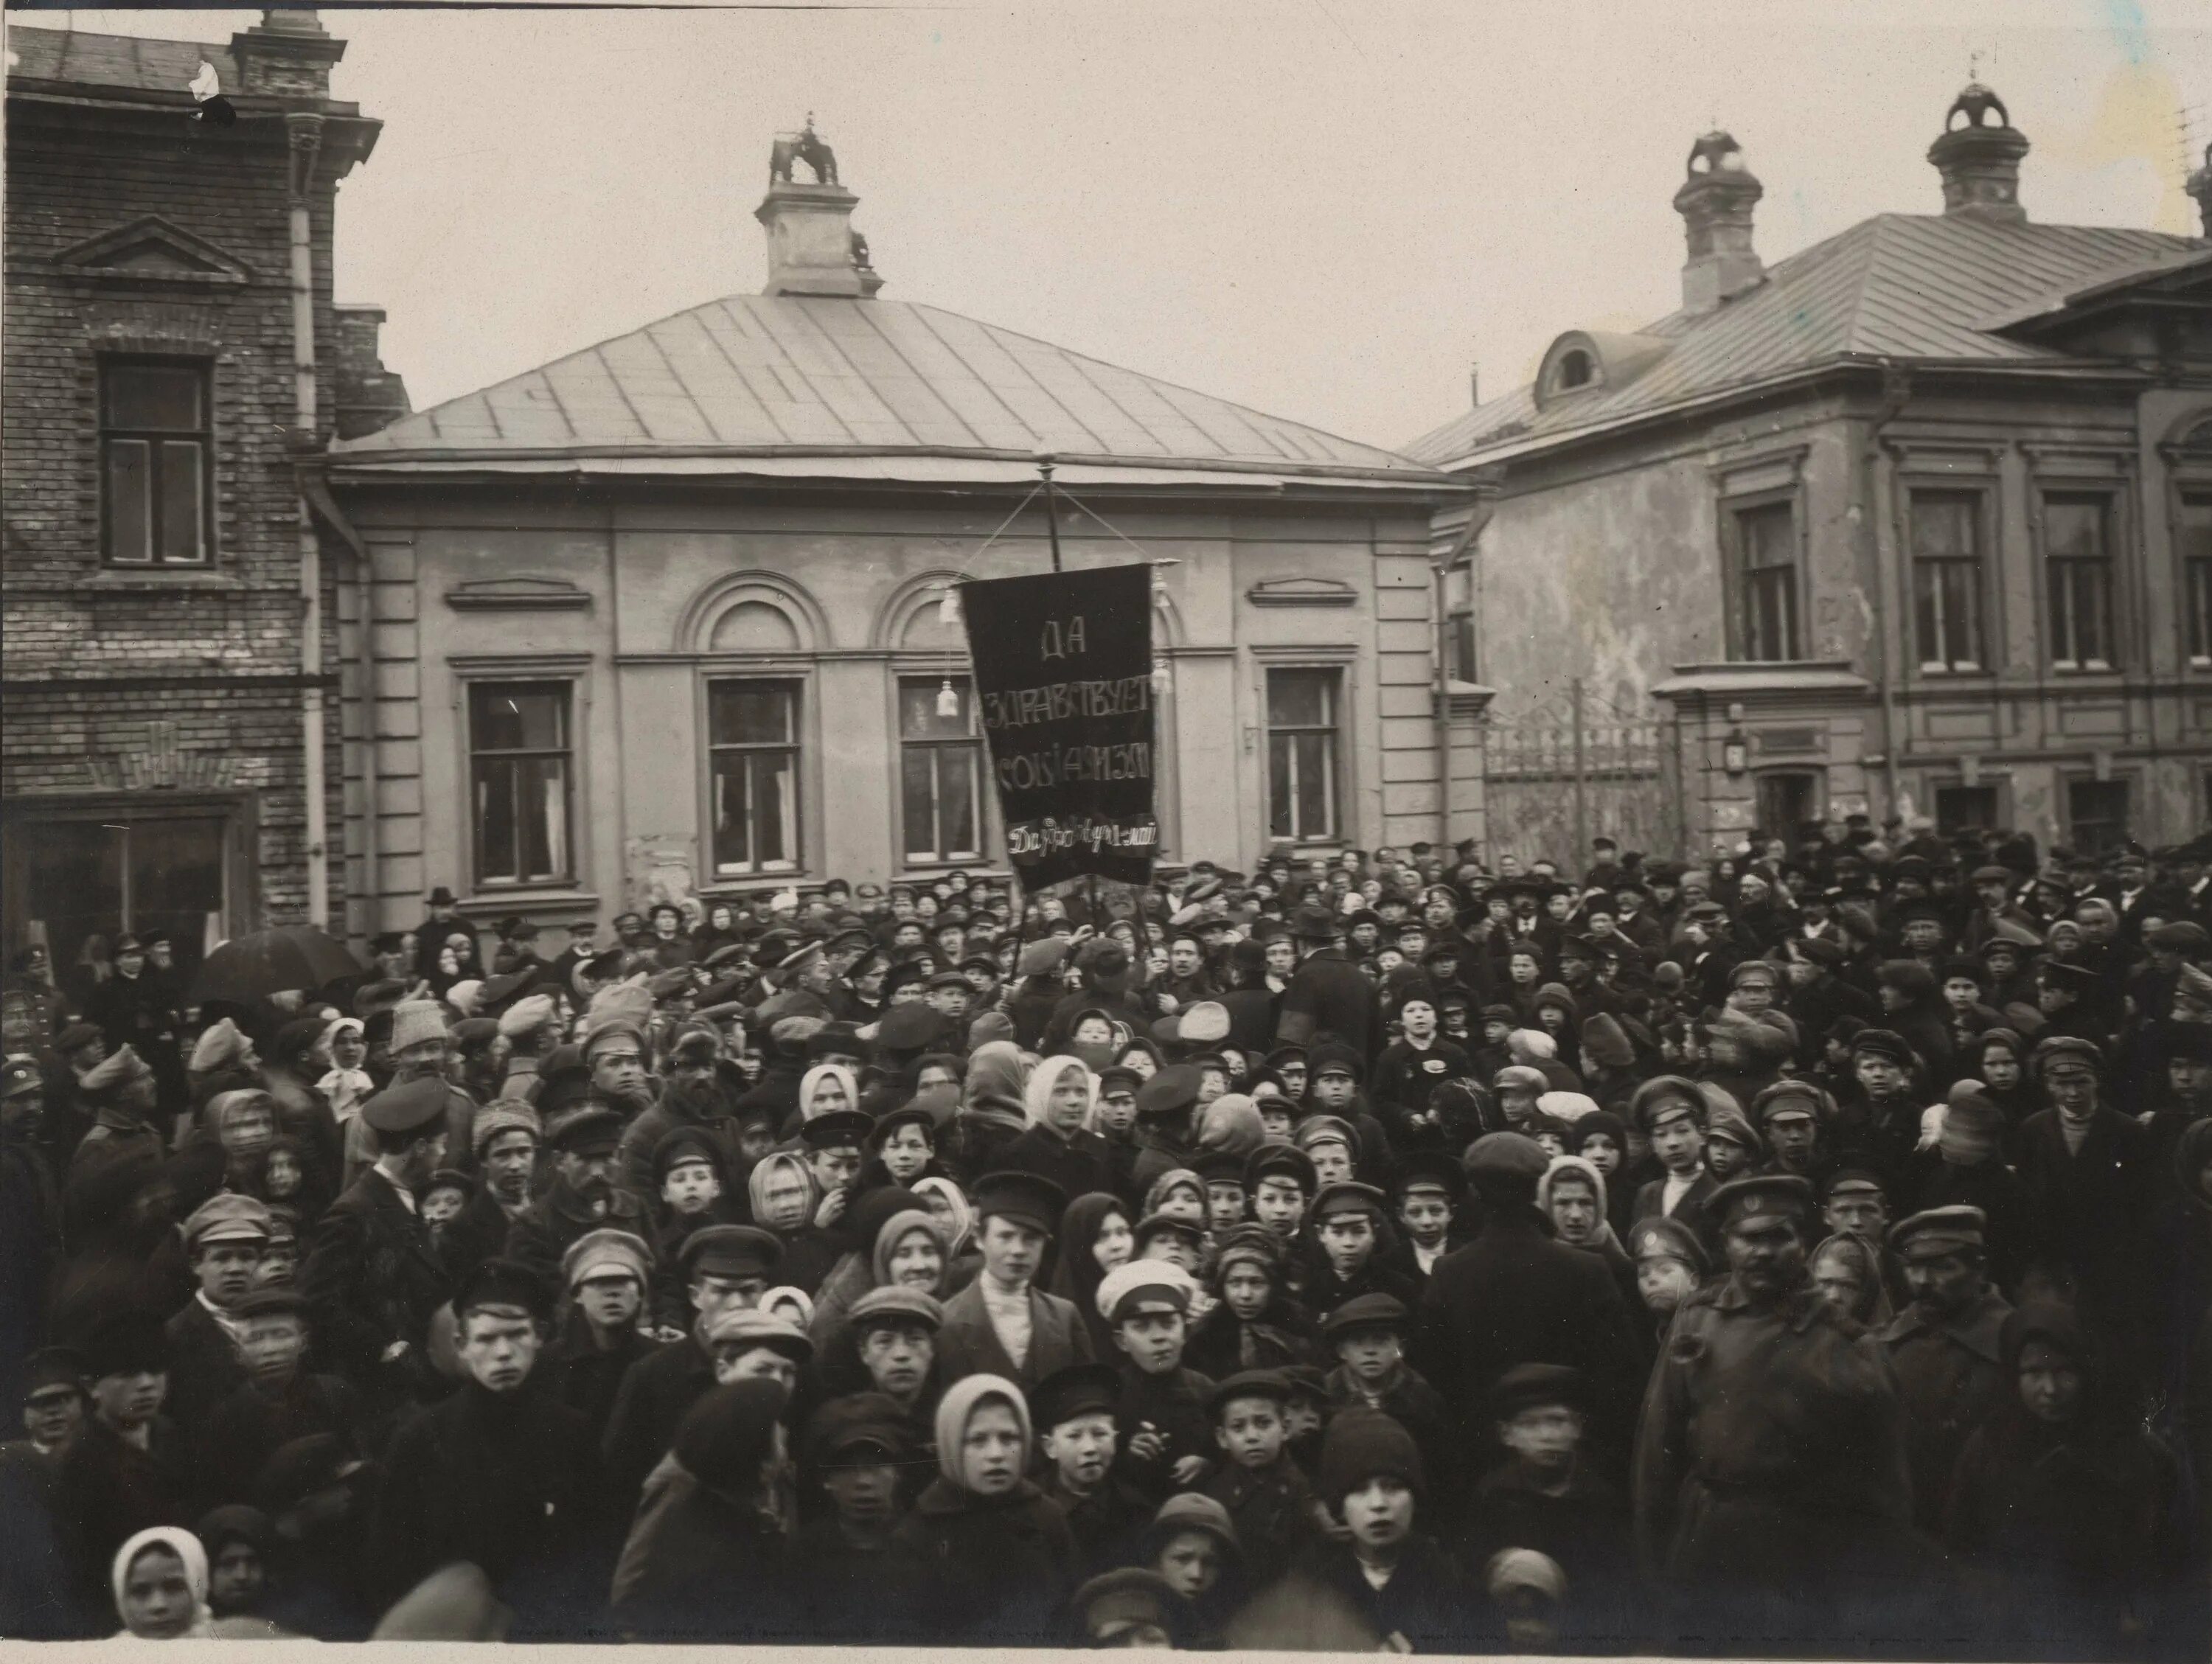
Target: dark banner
[{"x": 1064, "y": 684}]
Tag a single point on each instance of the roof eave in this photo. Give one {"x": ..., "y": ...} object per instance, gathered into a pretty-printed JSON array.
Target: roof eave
[{"x": 1803, "y": 375}]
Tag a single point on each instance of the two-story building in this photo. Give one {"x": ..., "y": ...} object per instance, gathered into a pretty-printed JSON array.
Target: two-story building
[
  {"x": 667, "y": 617},
  {"x": 1917, "y": 521},
  {"x": 170, "y": 343}
]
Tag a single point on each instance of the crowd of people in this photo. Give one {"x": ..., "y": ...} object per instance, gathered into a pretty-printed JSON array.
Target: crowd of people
[{"x": 1810, "y": 1249}]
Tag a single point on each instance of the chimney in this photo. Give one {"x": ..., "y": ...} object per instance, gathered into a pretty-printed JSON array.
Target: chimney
[
  {"x": 288, "y": 54},
  {"x": 1979, "y": 159},
  {"x": 2200, "y": 186},
  {"x": 813, "y": 248},
  {"x": 1715, "y": 202},
  {"x": 369, "y": 397}
]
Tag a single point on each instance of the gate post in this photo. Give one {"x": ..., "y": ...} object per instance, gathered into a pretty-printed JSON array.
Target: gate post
[{"x": 1465, "y": 713}]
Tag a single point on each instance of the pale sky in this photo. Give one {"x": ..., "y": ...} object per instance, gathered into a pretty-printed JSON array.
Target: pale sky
[{"x": 1324, "y": 209}]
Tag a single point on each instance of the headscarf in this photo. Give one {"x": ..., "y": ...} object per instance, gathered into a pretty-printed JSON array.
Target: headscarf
[
  {"x": 994, "y": 1088},
  {"x": 347, "y": 1089},
  {"x": 963, "y": 1216},
  {"x": 1076, "y": 1277},
  {"x": 186, "y": 1547},
  {"x": 1873, "y": 1308},
  {"x": 962, "y": 1400},
  {"x": 1231, "y": 1123},
  {"x": 899, "y": 1226},
  {"x": 767, "y": 1168},
  {"x": 1169, "y": 1180},
  {"x": 1038, "y": 1094},
  {"x": 813, "y": 1076}
]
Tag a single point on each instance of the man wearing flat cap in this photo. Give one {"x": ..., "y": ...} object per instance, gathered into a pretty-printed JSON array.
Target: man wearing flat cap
[
  {"x": 607, "y": 1272},
  {"x": 582, "y": 1197},
  {"x": 1739, "y": 1516},
  {"x": 373, "y": 1275},
  {"x": 224, "y": 1239},
  {"x": 501, "y": 1475},
  {"x": 1944, "y": 1346},
  {"x": 1001, "y": 1324}
]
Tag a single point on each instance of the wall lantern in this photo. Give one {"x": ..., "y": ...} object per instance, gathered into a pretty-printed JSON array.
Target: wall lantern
[{"x": 1735, "y": 752}]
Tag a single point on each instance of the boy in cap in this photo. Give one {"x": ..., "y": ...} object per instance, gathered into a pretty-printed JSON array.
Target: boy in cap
[
  {"x": 1412, "y": 1066},
  {"x": 280, "y": 1398},
  {"x": 747, "y": 1343},
  {"x": 1001, "y": 1324},
  {"x": 606, "y": 1273},
  {"x": 1347, "y": 1221},
  {"x": 1671, "y": 1112},
  {"x": 499, "y": 1474},
  {"x": 130, "y": 1468},
  {"x": 1368, "y": 1336},
  {"x": 1167, "y": 1438},
  {"x": 894, "y": 1332},
  {"x": 1548, "y": 1496},
  {"x": 1075, "y": 1410},
  {"x": 860, "y": 1455},
  {"x": 1268, "y": 1498},
  {"x": 1670, "y": 1265},
  {"x": 224, "y": 1239}
]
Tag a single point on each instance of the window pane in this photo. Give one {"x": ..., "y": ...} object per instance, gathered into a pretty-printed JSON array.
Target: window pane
[
  {"x": 545, "y": 812},
  {"x": 153, "y": 395},
  {"x": 129, "y": 501},
  {"x": 1944, "y": 523},
  {"x": 918, "y": 801},
  {"x": 775, "y": 812},
  {"x": 495, "y": 851},
  {"x": 2098, "y": 811},
  {"x": 1927, "y": 612},
  {"x": 1769, "y": 534},
  {"x": 2200, "y": 608},
  {"x": 1315, "y": 755},
  {"x": 956, "y": 785},
  {"x": 750, "y": 713},
  {"x": 180, "y": 499},
  {"x": 918, "y": 713},
  {"x": 2074, "y": 526},
  {"x": 733, "y": 838},
  {"x": 518, "y": 717},
  {"x": 1278, "y": 786},
  {"x": 1299, "y": 699},
  {"x": 1965, "y": 808}
]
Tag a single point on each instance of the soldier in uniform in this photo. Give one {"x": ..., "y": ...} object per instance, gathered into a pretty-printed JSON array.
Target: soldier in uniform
[
  {"x": 1946, "y": 1347},
  {"x": 1773, "y": 1504}
]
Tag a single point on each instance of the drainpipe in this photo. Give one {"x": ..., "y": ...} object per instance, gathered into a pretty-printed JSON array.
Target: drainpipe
[
  {"x": 317, "y": 490},
  {"x": 303, "y": 129},
  {"x": 1896, "y": 392}
]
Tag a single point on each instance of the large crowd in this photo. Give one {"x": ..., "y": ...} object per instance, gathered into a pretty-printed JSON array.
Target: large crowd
[{"x": 1807, "y": 1250}]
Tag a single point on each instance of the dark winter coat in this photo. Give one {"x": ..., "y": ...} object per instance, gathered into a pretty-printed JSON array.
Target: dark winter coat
[
  {"x": 1426, "y": 1600},
  {"x": 648, "y": 1406},
  {"x": 967, "y": 1344},
  {"x": 984, "y": 1571},
  {"x": 373, "y": 1276},
  {"x": 1328, "y": 994}
]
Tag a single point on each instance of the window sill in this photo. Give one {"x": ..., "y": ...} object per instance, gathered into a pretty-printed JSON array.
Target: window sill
[
  {"x": 140, "y": 580},
  {"x": 528, "y": 898}
]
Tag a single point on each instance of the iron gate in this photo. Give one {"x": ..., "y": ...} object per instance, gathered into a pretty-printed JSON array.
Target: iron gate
[{"x": 1579, "y": 767}]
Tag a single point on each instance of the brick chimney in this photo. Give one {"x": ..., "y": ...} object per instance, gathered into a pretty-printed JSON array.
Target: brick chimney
[
  {"x": 369, "y": 397},
  {"x": 1715, "y": 202},
  {"x": 2200, "y": 186},
  {"x": 288, "y": 54},
  {"x": 1979, "y": 159},
  {"x": 813, "y": 248}
]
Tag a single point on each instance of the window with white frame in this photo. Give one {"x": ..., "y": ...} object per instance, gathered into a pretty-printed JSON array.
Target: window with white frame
[
  {"x": 2077, "y": 557},
  {"x": 1947, "y": 580},
  {"x": 1766, "y": 582},
  {"x": 1304, "y": 741},
  {"x": 752, "y": 764},
  {"x": 1459, "y": 622},
  {"x": 154, "y": 455},
  {"x": 940, "y": 770},
  {"x": 521, "y": 764}
]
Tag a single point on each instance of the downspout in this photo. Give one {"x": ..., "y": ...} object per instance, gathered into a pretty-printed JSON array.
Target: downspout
[
  {"x": 1896, "y": 392},
  {"x": 317, "y": 490},
  {"x": 303, "y": 130}
]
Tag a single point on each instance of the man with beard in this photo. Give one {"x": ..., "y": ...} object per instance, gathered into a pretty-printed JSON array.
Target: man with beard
[
  {"x": 501, "y": 1475},
  {"x": 374, "y": 1277},
  {"x": 693, "y": 1097},
  {"x": 505, "y": 1133},
  {"x": 224, "y": 1240},
  {"x": 582, "y": 1197},
  {"x": 1746, "y": 1523}
]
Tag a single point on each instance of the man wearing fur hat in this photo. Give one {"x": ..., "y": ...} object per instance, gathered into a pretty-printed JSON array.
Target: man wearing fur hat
[{"x": 691, "y": 1095}]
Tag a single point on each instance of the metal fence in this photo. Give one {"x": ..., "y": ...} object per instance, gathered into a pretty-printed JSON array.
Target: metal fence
[{"x": 1578, "y": 769}]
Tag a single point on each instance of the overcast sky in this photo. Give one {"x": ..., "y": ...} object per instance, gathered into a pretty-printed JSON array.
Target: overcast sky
[{"x": 1326, "y": 208}]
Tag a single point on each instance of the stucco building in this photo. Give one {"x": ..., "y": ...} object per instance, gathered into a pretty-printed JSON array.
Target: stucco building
[
  {"x": 664, "y": 617},
  {"x": 168, "y": 274},
  {"x": 1917, "y": 521}
]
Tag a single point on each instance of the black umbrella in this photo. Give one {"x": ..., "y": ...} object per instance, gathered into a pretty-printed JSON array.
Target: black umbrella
[{"x": 251, "y": 968}]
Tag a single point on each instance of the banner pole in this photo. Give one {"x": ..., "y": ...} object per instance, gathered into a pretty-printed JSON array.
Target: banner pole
[{"x": 1051, "y": 510}]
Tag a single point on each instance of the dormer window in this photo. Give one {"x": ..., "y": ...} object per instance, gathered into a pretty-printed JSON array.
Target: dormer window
[{"x": 1575, "y": 370}]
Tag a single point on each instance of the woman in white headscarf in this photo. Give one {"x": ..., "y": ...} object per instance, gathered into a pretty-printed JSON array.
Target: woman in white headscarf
[
  {"x": 827, "y": 1087},
  {"x": 161, "y": 1582}
]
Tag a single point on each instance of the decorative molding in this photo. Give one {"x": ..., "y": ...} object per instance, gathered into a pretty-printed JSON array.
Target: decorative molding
[
  {"x": 695, "y": 627},
  {"x": 1303, "y": 593},
  {"x": 1954, "y": 458},
  {"x": 476, "y": 666},
  {"x": 152, "y": 250},
  {"x": 2111, "y": 464},
  {"x": 518, "y": 595},
  {"x": 1751, "y": 472},
  {"x": 162, "y": 764}
]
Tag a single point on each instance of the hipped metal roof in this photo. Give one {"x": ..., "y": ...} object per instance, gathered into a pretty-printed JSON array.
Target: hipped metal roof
[
  {"x": 1904, "y": 287},
  {"x": 791, "y": 376}
]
